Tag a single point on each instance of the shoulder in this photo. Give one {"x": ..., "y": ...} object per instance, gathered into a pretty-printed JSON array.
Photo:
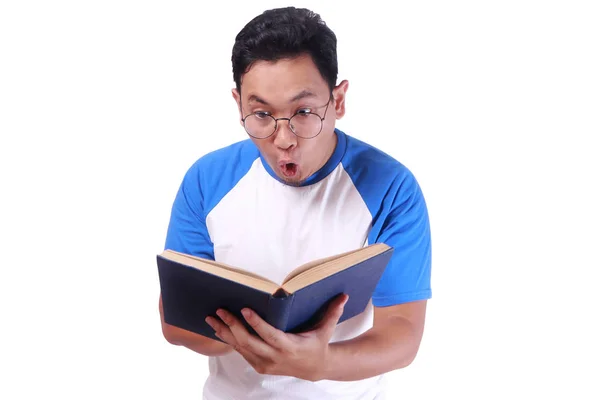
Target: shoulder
[
  {"x": 400, "y": 219},
  {"x": 364, "y": 161},
  {"x": 214, "y": 174},
  {"x": 379, "y": 177}
]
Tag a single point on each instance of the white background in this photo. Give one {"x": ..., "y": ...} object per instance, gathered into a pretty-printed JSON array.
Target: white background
[{"x": 493, "y": 105}]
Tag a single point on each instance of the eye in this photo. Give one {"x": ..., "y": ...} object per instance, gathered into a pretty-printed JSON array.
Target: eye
[
  {"x": 304, "y": 111},
  {"x": 261, "y": 114}
]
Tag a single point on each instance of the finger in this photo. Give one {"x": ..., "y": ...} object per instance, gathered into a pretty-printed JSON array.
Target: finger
[
  {"x": 258, "y": 363},
  {"x": 271, "y": 335},
  {"x": 244, "y": 340},
  {"x": 326, "y": 326},
  {"x": 222, "y": 331}
]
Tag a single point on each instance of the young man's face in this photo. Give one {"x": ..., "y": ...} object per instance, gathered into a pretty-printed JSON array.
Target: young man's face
[{"x": 281, "y": 89}]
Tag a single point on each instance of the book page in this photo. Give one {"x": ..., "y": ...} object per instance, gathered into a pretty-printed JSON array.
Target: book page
[
  {"x": 331, "y": 265},
  {"x": 305, "y": 267},
  {"x": 223, "y": 270}
]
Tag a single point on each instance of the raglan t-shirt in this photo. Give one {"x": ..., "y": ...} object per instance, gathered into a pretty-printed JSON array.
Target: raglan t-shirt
[{"x": 231, "y": 207}]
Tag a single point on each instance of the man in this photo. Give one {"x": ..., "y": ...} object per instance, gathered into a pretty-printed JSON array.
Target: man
[{"x": 299, "y": 189}]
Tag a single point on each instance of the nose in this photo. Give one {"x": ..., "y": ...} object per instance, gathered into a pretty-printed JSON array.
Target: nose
[{"x": 284, "y": 137}]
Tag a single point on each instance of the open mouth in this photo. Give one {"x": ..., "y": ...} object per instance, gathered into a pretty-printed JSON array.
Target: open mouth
[{"x": 288, "y": 169}]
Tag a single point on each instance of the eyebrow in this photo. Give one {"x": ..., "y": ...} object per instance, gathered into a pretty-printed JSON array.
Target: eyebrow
[
  {"x": 255, "y": 99},
  {"x": 303, "y": 94}
]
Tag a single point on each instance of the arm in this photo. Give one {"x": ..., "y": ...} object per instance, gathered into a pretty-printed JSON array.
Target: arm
[
  {"x": 187, "y": 233},
  {"x": 391, "y": 344},
  {"x": 198, "y": 343},
  {"x": 400, "y": 298}
]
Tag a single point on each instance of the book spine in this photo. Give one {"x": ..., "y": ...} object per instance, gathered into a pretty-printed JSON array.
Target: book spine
[{"x": 279, "y": 311}]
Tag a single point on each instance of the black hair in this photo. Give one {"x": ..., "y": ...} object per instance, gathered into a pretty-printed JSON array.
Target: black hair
[{"x": 286, "y": 33}]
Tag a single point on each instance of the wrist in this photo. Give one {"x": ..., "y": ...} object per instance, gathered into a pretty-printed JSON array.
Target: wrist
[{"x": 327, "y": 365}]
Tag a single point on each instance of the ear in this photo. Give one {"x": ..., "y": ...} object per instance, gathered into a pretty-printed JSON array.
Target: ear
[
  {"x": 339, "y": 99},
  {"x": 237, "y": 97}
]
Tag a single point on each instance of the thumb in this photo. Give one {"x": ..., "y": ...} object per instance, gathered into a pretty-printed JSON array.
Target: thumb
[{"x": 332, "y": 316}]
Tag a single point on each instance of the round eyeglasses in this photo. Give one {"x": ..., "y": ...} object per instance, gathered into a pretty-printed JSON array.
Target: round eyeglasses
[{"x": 304, "y": 124}]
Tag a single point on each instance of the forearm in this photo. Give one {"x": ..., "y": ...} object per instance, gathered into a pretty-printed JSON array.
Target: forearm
[
  {"x": 373, "y": 353},
  {"x": 192, "y": 341},
  {"x": 197, "y": 343}
]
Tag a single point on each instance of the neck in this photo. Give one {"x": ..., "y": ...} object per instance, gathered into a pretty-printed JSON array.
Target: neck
[{"x": 331, "y": 148}]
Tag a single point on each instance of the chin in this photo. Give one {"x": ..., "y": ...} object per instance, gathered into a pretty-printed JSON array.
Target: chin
[{"x": 293, "y": 181}]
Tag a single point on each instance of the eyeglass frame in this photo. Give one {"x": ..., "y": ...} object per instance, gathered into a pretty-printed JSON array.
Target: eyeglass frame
[{"x": 289, "y": 119}]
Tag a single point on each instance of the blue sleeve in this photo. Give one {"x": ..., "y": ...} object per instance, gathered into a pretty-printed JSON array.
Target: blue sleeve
[
  {"x": 187, "y": 231},
  {"x": 403, "y": 223}
]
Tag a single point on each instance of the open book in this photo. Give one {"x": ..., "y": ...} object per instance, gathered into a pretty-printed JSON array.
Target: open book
[{"x": 193, "y": 288}]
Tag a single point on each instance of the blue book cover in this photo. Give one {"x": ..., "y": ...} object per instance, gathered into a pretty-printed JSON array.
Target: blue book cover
[{"x": 193, "y": 288}]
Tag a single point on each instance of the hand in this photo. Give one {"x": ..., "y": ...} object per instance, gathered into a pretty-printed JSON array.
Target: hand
[{"x": 303, "y": 355}]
